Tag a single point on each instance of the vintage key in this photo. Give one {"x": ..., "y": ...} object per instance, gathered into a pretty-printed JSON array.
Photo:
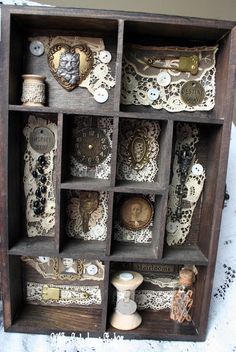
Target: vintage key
[
  {"x": 186, "y": 63},
  {"x": 88, "y": 204}
]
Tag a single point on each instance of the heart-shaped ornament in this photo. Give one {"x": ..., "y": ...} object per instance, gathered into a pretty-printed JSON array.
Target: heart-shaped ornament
[{"x": 70, "y": 65}]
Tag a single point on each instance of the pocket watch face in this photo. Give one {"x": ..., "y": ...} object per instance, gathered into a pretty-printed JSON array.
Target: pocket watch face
[{"x": 92, "y": 146}]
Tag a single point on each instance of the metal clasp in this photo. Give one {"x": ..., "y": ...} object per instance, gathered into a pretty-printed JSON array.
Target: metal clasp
[
  {"x": 186, "y": 63},
  {"x": 50, "y": 293}
]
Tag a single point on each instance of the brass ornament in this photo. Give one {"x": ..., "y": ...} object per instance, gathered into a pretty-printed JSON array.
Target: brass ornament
[
  {"x": 139, "y": 149},
  {"x": 42, "y": 140},
  {"x": 92, "y": 146},
  {"x": 192, "y": 93},
  {"x": 70, "y": 65},
  {"x": 136, "y": 213},
  {"x": 186, "y": 63},
  {"x": 89, "y": 202}
]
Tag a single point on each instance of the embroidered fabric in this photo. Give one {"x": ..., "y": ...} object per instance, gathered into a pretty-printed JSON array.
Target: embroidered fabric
[
  {"x": 122, "y": 234},
  {"x": 186, "y": 135},
  {"x": 97, "y": 222},
  {"x": 81, "y": 295},
  {"x": 42, "y": 224},
  {"x": 100, "y": 74},
  {"x": 155, "y": 300},
  {"x": 51, "y": 268},
  {"x": 149, "y": 132},
  {"x": 103, "y": 170},
  {"x": 138, "y": 77}
]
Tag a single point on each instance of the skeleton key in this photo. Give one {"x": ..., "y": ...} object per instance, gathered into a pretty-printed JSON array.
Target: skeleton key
[
  {"x": 186, "y": 63},
  {"x": 88, "y": 204}
]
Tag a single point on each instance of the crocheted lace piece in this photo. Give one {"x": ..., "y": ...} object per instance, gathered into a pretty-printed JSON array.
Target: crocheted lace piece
[
  {"x": 49, "y": 268},
  {"x": 162, "y": 282},
  {"x": 103, "y": 170},
  {"x": 97, "y": 222},
  {"x": 155, "y": 300},
  {"x": 42, "y": 224},
  {"x": 150, "y": 131},
  {"x": 139, "y": 236},
  {"x": 186, "y": 135},
  {"x": 100, "y": 74},
  {"x": 81, "y": 295},
  {"x": 138, "y": 77}
]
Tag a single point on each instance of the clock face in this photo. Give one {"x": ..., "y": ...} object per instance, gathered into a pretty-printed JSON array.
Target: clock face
[{"x": 92, "y": 146}]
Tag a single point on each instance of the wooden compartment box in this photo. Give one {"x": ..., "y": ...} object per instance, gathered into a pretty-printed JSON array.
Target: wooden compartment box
[{"x": 76, "y": 108}]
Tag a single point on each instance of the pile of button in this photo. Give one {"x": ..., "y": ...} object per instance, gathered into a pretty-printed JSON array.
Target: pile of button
[
  {"x": 163, "y": 79},
  {"x": 38, "y": 174}
]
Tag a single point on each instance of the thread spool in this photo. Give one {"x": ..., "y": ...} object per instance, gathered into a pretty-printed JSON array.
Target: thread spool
[
  {"x": 125, "y": 316},
  {"x": 33, "y": 90}
]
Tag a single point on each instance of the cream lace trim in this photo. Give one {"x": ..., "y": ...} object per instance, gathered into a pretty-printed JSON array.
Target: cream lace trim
[
  {"x": 100, "y": 75},
  {"x": 103, "y": 170},
  {"x": 138, "y": 78},
  {"x": 155, "y": 300},
  {"x": 122, "y": 234},
  {"x": 149, "y": 130},
  {"x": 162, "y": 282},
  {"x": 97, "y": 222},
  {"x": 52, "y": 268},
  {"x": 81, "y": 295},
  {"x": 43, "y": 224},
  {"x": 186, "y": 135}
]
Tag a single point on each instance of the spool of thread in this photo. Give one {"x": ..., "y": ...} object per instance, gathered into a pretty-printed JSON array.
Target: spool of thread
[
  {"x": 33, "y": 91},
  {"x": 125, "y": 316}
]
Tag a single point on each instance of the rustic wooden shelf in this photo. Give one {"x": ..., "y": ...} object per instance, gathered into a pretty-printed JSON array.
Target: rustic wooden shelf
[{"x": 117, "y": 30}]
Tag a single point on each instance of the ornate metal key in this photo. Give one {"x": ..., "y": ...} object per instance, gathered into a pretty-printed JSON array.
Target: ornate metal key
[{"x": 88, "y": 204}]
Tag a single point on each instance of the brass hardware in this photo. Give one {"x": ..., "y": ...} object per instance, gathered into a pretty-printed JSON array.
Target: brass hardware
[
  {"x": 186, "y": 63},
  {"x": 139, "y": 149},
  {"x": 70, "y": 65},
  {"x": 192, "y": 93},
  {"x": 50, "y": 293}
]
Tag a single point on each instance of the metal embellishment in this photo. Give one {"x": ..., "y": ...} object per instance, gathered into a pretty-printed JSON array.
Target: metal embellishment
[
  {"x": 50, "y": 293},
  {"x": 136, "y": 213},
  {"x": 192, "y": 93},
  {"x": 92, "y": 146},
  {"x": 139, "y": 149},
  {"x": 42, "y": 140},
  {"x": 89, "y": 202},
  {"x": 186, "y": 63},
  {"x": 70, "y": 65}
]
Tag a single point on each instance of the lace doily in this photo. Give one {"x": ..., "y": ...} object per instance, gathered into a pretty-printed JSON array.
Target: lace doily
[
  {"x": 139, "y": 236},
  {"x": 178, "y": 229},
  {"x": 149, "y": 132},
  {"x": 97, "y": 222},
  {"x": 162, "y": 282},
  {"x": 155, "y": 300},
  {"x": 138, "y": 77},
  {"x": 52, "y": 268},
  {"x": 103, "y": 170},
  {"x": 42, "y": 224},
  {"x": 81, "y": 295},
  {"x": 100, "y": 75}
]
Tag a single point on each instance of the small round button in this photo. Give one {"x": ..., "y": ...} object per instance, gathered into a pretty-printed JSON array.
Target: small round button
[
  {"x": 171, "y": 227},
  {"x": 92, "y": 269},
  {"x": 36, "y": 48},
  {"x": 153, "y": 94},
  {"x": 105, "y": 56},
  {"x": 163, "y": 79},
  {"x": 43, "y": 259},
  {"x": 126, "y": 276},
  {"x": 197, "y": 169},
  {"x": 101, "y": 95}
]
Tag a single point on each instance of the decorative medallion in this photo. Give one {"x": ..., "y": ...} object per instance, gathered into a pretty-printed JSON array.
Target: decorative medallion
[
  {"x": 70, "y": 65},
  {"x": 42, "y": 140},
  {"x": 139, "y": 149},
  {"x": 136, "y": 213},
  {"x": 192, "y": 93},
  {"x": 92, "y": 146}
]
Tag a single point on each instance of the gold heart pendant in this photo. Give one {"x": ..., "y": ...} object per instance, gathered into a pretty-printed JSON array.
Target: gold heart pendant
[{"x": 70, "y": 65}]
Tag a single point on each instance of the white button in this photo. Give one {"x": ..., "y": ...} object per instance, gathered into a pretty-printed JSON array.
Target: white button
[
  {"x": 105, "y": 56},
  {"x": 171, "y": 227},
  {"x": 101, "y": 95},
  {"x": 92, "y": 269},
  {"x": 126, "y": 276},
  {"x": 43, "y": 259},
  {"x": 197, "y": 169},
  {"x": 36, "y": 48},
  {"x": 153, "y": 94},
  {"x": 163, "y": 79}
]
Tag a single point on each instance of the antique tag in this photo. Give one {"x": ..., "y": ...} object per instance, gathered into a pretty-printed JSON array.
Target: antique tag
[
  {"x": 42, "y": 140},
  {"x": 70, "y": 65},
  {"x": 136, "y": 213},
  {"x": 192, "y": 93}
]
